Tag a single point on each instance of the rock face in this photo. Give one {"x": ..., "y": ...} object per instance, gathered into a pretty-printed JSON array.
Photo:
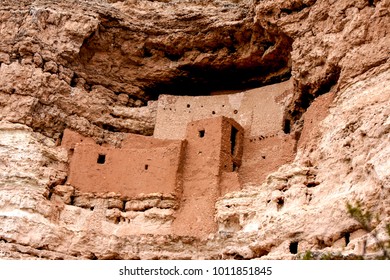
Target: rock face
[{"x": 97, "y": 67}]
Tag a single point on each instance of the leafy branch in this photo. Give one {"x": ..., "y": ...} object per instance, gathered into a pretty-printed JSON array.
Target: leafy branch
[{"x": 367, "y": 221}]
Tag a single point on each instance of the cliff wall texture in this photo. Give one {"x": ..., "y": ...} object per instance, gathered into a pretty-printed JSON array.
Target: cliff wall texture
[{"x": 98, "y": 67}]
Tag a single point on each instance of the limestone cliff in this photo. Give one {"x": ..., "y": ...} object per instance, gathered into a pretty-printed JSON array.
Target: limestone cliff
[{"x": 96, "y": 67}]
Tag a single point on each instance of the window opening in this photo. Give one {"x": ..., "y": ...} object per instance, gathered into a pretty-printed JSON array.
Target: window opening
[
  {"x": 233, "y": 139},
  {"x": 287, "y": 126},
  {"x": 101, "y": 159},
  {"x": 202, "y": 133}
]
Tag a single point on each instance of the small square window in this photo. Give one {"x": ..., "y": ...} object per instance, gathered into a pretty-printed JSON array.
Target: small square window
[
  {"x": 101, "y": 159},
  {"x": 202, "y": 133}
]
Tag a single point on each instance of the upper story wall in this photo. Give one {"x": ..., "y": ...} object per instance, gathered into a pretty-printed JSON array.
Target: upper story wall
[
  {"x": 259, "y": 111},
  {"x": 214, "y": 145},
  {"x": 232, "y": 145}
]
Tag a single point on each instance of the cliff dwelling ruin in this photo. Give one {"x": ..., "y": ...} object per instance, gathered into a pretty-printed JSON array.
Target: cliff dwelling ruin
[
  {"x": 170, "y": 129},
  {"x": 202, "y": 148}
]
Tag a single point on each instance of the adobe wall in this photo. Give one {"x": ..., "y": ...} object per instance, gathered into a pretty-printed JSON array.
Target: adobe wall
[
  {"x": 208, "y": 155},
  {"x": 229, "y": 182},
  {"x": 263, "y": 155},
  {"x": 127, "y": 171},
  {"x": 215, "y": 158},
  {"x": 232, "y": 141},
  {"x": 258, "y": 111},
  {"x": 137, "y": 141},
  {"x": 70, "y": 138},
  {"x": 196, "y": 172}
]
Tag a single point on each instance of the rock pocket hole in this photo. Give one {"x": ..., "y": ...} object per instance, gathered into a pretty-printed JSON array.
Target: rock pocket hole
[
  {"x": 280, "y": 203},
  {"x": 347, "y": 237},
  {"x": 72, "y": 200},
  {"x": 312, "y": 184},
  {"x": 293, "y": 247}
]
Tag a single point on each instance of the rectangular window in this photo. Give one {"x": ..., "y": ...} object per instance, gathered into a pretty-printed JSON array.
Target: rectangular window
[
  {"x": 233, "y": 139},
  {"x": 101, "y": 159}
]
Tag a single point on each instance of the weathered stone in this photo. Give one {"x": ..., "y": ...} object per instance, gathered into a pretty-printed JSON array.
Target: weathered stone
[
  {"x": 51, "y": 67},
  {"x": 65, "y": 192},
  {"x": 4, "y": 58},
  {"x": 141, "y": 205},
  {"x": 123, "y": 99},
  {"x": 114, "y": 203}
]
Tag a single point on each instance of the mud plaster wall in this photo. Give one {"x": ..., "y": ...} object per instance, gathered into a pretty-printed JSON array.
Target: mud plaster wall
[
  {"x": 193, "y": 170},
  {"x": 258, "y": 111},
  {"x": 208, "y": 154},
  {"x": 71, "y": 138},
  {"x": 263, "y": 155},
  {"x": 127, "y": 171},
  {"x": 232, "y": 140},
  {"x": 209, "y": 146}
]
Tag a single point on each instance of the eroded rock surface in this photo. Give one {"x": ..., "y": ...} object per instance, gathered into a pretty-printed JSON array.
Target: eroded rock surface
[
  {"x": 305, "y": 201},
  {"x": 96, "y": 66}
]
